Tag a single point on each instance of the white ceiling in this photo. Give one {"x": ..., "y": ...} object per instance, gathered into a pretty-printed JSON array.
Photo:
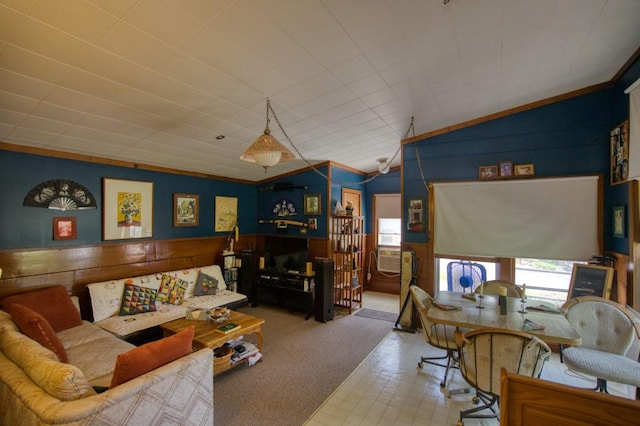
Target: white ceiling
[{"x": 155, "y": 81}]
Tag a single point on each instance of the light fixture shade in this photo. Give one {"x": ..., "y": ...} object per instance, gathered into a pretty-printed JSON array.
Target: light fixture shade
[
  {"x": 383, "y": 166},
  {"x": 267, "y": 151}
]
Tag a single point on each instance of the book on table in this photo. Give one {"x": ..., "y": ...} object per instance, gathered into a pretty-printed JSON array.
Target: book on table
[{"x": 228, "y": 328}]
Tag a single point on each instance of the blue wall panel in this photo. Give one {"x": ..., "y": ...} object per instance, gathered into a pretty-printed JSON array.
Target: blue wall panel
[{"x": 27, "y": 227}]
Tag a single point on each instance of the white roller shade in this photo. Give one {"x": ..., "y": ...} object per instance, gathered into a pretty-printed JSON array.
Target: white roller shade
[
  {"x": 634, "y": 130},
  {"x": 529, "y": 218}
]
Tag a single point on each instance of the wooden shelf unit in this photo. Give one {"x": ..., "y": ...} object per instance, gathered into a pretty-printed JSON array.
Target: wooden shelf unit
[{"x": 347, "y": 252}]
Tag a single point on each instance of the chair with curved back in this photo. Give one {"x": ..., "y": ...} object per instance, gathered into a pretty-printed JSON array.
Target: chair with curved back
[
  {"x": 484, "y": 352},
  {"x": 437, "y": 335},
  {"x": 491, "y": 287},
  {"x": 608, "y": 330}
]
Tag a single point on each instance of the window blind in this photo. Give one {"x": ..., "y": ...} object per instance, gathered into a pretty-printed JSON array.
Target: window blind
[
  {"x": 530, "y": 218},
  {"x": 634, "y": 130}
]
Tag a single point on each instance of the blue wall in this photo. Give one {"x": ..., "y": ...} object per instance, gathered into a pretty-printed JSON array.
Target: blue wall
[
  {"x": 267, "y": 199},
  {"x": 29, "y": 227},
  {"x": 565, "y": 138}
]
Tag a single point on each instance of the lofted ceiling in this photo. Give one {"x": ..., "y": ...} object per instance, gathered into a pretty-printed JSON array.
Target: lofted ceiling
[{"x": 158, "y": 81}]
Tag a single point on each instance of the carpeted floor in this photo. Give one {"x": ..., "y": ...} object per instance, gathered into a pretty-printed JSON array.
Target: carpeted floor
[{"x": 303, "y": 363}]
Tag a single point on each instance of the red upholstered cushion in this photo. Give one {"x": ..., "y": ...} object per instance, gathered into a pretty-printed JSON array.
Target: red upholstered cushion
[
  {"x": 150, "y": 356},
  {"x": 35, "y": 326},
  {"x": 53, "y": 303}
]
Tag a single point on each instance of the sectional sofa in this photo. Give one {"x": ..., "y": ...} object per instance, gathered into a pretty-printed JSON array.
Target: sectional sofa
[{"x": 56, "y": 368}]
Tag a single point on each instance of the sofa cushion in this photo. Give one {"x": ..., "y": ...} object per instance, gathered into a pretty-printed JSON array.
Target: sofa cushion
[
  {"x": 34, "y": 325},
  {"x": 152, "y": 355},
  {"x": 205, "y": 284},
  {"x": 63, "y": 381},
  {"x": 136, "y": 300},
  {"x": 53, "y": 303}
]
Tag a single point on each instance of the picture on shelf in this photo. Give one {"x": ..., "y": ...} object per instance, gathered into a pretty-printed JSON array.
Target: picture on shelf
[
  {"x": 487, "y": 172},
  {"x": 524, "y": 169},
  {"x": 505, "y": 168}
]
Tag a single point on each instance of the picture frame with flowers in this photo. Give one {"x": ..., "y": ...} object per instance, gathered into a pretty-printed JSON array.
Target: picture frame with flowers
[{"x": 127, "y": 209}]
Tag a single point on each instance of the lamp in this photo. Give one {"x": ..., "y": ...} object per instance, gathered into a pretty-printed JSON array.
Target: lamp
[
  {"x": 383, "y": 166},
  {"x": 266, "y": 150}
]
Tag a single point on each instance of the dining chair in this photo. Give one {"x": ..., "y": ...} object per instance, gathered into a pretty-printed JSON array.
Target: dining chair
[
  {"x": 492, "y": 286},
  {"x": 437, "y": 335},
  {"x": 608, "y": 330},
  {"x": 484, "y": 352}
]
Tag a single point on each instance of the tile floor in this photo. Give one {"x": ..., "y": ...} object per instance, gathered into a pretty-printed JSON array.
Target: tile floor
[{"x": 388, "y": 388}]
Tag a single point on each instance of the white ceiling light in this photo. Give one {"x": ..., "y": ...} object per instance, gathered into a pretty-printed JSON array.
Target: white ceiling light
[
  {"x": 383, "y": 166},
  {"x": 266, "y": 150}
]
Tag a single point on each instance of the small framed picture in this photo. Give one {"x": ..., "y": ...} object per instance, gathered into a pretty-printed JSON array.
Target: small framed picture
[
  {"x": 523, "y": 169},
  {"x": 505, "y": 168},
  {"x": 487, "y": 172},
  {"x": 185, "y": 210},
  {"x": 64, "y": 228},
  {"x": 313, "y": 223},
  {"x": 618, "y": 222},
  {"x": 312, "y": 204}
]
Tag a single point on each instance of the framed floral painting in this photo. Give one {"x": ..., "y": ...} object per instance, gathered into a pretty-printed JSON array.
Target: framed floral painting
[{"x": 127, "y": 209}]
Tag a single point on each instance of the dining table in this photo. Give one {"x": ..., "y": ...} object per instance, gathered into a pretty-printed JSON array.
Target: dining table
[{"x": 470, "y": 311}]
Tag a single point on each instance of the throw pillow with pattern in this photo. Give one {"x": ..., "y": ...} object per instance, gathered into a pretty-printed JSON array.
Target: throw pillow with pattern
[
  {"x": 176, "y": 295},
  {"x": 166, "y": 285},
  {"x": 136, "y": 299},
  {"x": 205, "y": 285}
]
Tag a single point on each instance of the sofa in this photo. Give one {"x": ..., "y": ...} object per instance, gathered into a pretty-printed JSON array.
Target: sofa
[
  {"x": 107, "y": 299},
  {"x": 57, "y": 369}
]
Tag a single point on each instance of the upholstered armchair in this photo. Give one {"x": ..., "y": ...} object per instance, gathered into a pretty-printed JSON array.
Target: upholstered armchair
[{"x": 608, "y": 330}]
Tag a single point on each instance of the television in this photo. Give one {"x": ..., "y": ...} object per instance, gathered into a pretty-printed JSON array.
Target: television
[{"x": 286, "y": 253}]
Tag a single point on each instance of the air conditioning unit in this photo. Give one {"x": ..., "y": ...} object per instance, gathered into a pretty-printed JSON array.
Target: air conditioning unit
[{"x": 389, "y": 260}]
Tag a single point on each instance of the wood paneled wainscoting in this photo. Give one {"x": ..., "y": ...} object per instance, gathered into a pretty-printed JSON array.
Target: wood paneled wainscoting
[{"x": 76, "y": 266}]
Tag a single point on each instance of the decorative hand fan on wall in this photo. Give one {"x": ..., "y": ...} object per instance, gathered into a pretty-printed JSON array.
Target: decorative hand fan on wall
[
  {"x": 464, "y": 276},
  {"x": 60, "y": 194}
]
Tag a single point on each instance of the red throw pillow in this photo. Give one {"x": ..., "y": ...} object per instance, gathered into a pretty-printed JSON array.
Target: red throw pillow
[
  {"x": 35, "y": 326},
  {"x": 150, "y": 356},
  {"x": 53, "y": 303}
]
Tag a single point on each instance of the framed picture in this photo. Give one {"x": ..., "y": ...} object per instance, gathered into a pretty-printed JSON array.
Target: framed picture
[
  {"x": 487, "y": 172},
  {"x": 226, "y": 214},
  {"x": 619, "y": 224},
  {"x": 64, "y": 228},
  {"x": 415, "y": 217},
  {"x": 313, "y": 223},
  {"x": 523, "y": 170},
  {"x": 590, "y": 280},
  {"x": 127, "y": 209},
  {"x": 505, "y": 168},
  {"x": 312, "y": 204},
  {"x": 620, "y": 153},
  {"x": 186, "y": 210}
]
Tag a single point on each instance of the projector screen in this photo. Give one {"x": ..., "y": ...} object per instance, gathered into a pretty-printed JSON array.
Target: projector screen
[{"x": 527, "y": 218}]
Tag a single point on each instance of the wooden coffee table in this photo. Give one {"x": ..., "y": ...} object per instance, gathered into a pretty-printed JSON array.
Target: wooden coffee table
[{"x": 208, "y": 336}]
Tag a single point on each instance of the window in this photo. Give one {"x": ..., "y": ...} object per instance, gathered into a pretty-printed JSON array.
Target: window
[
  {"x": 545, "y": 279},
  {"x": 389, "y": 232}
]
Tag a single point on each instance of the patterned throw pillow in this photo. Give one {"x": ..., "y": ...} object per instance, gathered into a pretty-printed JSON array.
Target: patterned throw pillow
[
  {"x": 205, "y": 285},
  {"x": 166, "y": 285},
  {"x": 176, "y": 296},
  {"x": 136, "y": 300}
]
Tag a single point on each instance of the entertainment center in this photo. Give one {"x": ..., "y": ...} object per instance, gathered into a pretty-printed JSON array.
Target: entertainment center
[{"x": 284, "y": 276}]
